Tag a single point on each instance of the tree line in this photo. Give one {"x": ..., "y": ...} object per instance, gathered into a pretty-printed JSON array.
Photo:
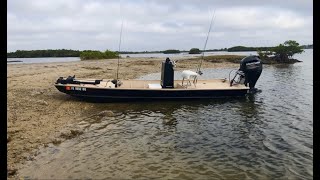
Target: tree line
[
  {"x": 244, "y": 48},
  {"x": 44, "y": 53},
  {"x": 84, "y": 55},
  {"x": 87, "y": 54}
]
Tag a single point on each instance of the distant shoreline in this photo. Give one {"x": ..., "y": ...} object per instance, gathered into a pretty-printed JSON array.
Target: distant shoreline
[
  {"x": 76, "y": 53},
  {"x": 14, "y": 61}
]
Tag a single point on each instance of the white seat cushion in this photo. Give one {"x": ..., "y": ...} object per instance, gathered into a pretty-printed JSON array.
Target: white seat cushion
[{"x": 154, "y": 86}]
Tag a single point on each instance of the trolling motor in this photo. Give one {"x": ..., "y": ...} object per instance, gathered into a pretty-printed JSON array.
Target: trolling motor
[{"x": 249, "y": 72}]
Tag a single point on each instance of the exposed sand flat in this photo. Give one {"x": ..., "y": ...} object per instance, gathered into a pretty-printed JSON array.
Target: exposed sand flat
[{"x": 36, "y": 109}]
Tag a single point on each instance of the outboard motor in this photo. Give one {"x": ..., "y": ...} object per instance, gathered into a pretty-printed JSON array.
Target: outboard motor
[
  {"x": 249, "y": 72},
  {"x": 167, "y": 74}
]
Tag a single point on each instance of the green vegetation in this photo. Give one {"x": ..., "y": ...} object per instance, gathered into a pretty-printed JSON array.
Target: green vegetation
[
  {"x": 244, "y": 48},
  {"x": 43, "y": 53},
  {"x": 221, "y": 49},
  {"x": 222, "y": 58},
  {"x": 171, "y": 51},
  {"x": 88, "y": 54},
  {"x": 194, "y": 51},
  {"x": 282, "y": 53}
]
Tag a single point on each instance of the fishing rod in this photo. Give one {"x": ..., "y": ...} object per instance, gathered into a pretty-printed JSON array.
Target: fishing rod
[
  {"x": 119, "y": 51},
  {"x": 116, "y": 81},
  {"x": 205, "y": 45}
]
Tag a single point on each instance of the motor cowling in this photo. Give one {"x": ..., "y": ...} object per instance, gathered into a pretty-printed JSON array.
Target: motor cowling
[{"x": 251, "y": 67}]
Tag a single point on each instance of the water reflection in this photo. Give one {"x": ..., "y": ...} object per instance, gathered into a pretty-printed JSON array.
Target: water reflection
[
  {"x": 251, "y": 107},
  {"x": 197, "y": 139},
  {"x": 286, "y": 71}
]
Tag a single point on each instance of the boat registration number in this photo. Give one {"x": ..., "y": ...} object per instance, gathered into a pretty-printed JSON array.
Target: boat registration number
[{"x": 76, "y": 88}]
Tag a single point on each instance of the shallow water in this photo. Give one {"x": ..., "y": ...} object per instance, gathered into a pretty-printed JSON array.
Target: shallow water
[
  {"x": 186, "y": 54},
  {"x": 268, "y": 135},
  {"x": 150, "y": 55},
  {"x": 41, "y": 60}
]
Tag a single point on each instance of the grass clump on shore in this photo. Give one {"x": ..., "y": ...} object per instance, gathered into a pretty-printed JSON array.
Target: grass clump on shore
[
  {"x": 223, "y": 58},
  {"x": 88, "y": 54}
]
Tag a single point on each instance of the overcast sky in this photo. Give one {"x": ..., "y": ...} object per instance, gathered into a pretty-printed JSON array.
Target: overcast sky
[{"x": 150, "y": 25}]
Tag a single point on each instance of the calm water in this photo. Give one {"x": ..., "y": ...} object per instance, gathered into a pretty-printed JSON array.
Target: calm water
[
  {"x": 70, "y": 59},
  {"x": 42, "y": 60},
  {"x": 268, "y": 135},
  {"x": 187, "y": 54}
]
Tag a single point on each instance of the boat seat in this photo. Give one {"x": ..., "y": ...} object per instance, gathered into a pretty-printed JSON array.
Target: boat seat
[
  {"x": 109, "y": 84},
  {"x": 154, "y": 86},
  {"x": 106, "y": 84}
]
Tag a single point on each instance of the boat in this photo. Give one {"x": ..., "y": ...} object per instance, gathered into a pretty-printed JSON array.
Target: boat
[{"x": 166, "y": 88}]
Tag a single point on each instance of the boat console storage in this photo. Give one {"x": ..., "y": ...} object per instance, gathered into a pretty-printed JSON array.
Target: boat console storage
[{"x": 167, "y": 74}]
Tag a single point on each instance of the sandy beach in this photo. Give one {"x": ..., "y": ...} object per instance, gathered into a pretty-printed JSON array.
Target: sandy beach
[{"x": 37, "y": 110}]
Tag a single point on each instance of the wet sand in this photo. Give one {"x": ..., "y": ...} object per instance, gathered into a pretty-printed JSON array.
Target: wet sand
[{"x": 37, "y": 110}]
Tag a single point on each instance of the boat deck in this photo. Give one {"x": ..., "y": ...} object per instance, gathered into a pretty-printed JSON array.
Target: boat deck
[{"x": 214, "y": 84}]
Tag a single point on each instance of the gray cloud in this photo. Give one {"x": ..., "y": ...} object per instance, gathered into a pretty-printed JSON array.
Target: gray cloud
[{"x": 155, "y": 24}]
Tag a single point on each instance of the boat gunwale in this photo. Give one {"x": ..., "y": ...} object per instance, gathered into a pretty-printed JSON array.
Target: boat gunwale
[
  {"x": 142, "y": 97},
  {"x": 147, "y": 89}
]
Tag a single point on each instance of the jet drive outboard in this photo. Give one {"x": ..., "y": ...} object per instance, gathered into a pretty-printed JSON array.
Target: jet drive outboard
[{"x": 249, "y": 72}]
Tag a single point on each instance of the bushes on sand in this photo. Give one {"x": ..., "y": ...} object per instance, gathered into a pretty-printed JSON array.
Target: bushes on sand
[{"x": 88, "y": 54}]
